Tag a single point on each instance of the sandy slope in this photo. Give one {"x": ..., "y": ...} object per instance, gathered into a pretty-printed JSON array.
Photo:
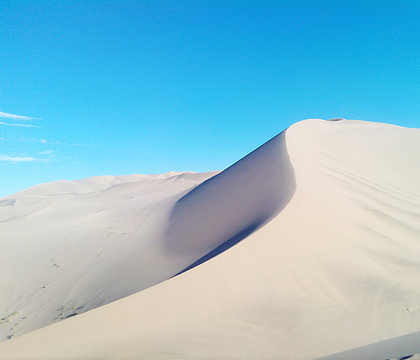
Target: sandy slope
[
  {"x": 71, "y": 246},
  {"x": 335, "y": 269}
]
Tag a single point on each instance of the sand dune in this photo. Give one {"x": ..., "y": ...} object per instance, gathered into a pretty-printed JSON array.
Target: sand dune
[
  {"x": 69, "y": 247},
  {"x": 325, "y": 223}
]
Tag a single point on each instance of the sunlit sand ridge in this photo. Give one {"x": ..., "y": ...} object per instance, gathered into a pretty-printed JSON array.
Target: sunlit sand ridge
[{"x": 324, "y": 220}]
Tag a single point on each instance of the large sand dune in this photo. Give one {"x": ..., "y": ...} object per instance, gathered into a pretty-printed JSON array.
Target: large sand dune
[{"x": 325, "y": 219}]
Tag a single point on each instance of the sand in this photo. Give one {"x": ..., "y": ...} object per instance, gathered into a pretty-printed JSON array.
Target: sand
[{"x": 307, "y": 247}]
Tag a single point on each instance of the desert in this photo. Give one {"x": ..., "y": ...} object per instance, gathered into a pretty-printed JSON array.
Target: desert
[{"x": 306, "y": 248}]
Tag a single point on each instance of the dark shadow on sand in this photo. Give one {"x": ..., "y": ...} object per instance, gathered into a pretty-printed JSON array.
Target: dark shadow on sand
[
  {"x": 221, "y": 248},
  {"x": 227, "y": 208}
]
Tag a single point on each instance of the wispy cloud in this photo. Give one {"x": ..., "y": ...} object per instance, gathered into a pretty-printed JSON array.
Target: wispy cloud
[
  {"x": 18, "y": 158},
  {"x": 22, "y": 125},
  {"x": 14, "y": 117},
  {"x": 25, "y": 159},
  {"x": 49, "y": 142},
  {"x": 47, "y": 152}
]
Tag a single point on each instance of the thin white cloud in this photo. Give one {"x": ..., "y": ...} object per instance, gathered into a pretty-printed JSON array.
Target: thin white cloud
[
  {"x": 18, "y": 158},
  {"x": 47, "y": 152},
  {"x": 23, "y": 125},
  {"x": 14, "y": 117},
  {"x": 44, "y": 141}
]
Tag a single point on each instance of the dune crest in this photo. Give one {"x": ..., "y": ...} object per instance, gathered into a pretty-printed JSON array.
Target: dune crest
[{"x": 228, "y": 207}]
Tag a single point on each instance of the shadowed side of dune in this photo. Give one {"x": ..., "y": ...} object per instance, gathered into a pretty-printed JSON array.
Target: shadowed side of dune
[
  {"x": 401, "y": 348},
  {"x": 228, "y": 207}
]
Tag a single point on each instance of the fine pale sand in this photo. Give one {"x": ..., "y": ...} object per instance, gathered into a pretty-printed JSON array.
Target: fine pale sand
[{"x": 307, "y": 247}]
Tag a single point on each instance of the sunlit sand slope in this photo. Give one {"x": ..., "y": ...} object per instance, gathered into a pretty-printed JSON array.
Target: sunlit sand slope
[
  {"x": 337, "y": 267},
  {"x": 70, "y": 246}
]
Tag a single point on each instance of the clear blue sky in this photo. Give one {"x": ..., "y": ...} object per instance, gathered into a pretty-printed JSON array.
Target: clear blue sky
[{"x": 122, "y": 87}]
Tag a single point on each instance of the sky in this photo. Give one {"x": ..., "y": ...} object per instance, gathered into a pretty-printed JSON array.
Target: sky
[{"x": 102, "y": 87}]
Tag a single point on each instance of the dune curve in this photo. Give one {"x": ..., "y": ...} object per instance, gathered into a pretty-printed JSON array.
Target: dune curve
[
  {"x": 336, "y": 269},
  {"x": 228, "y": 207}
]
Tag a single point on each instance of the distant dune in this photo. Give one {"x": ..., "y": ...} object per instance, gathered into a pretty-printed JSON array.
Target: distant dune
[{"x": 307, "y": 248}]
